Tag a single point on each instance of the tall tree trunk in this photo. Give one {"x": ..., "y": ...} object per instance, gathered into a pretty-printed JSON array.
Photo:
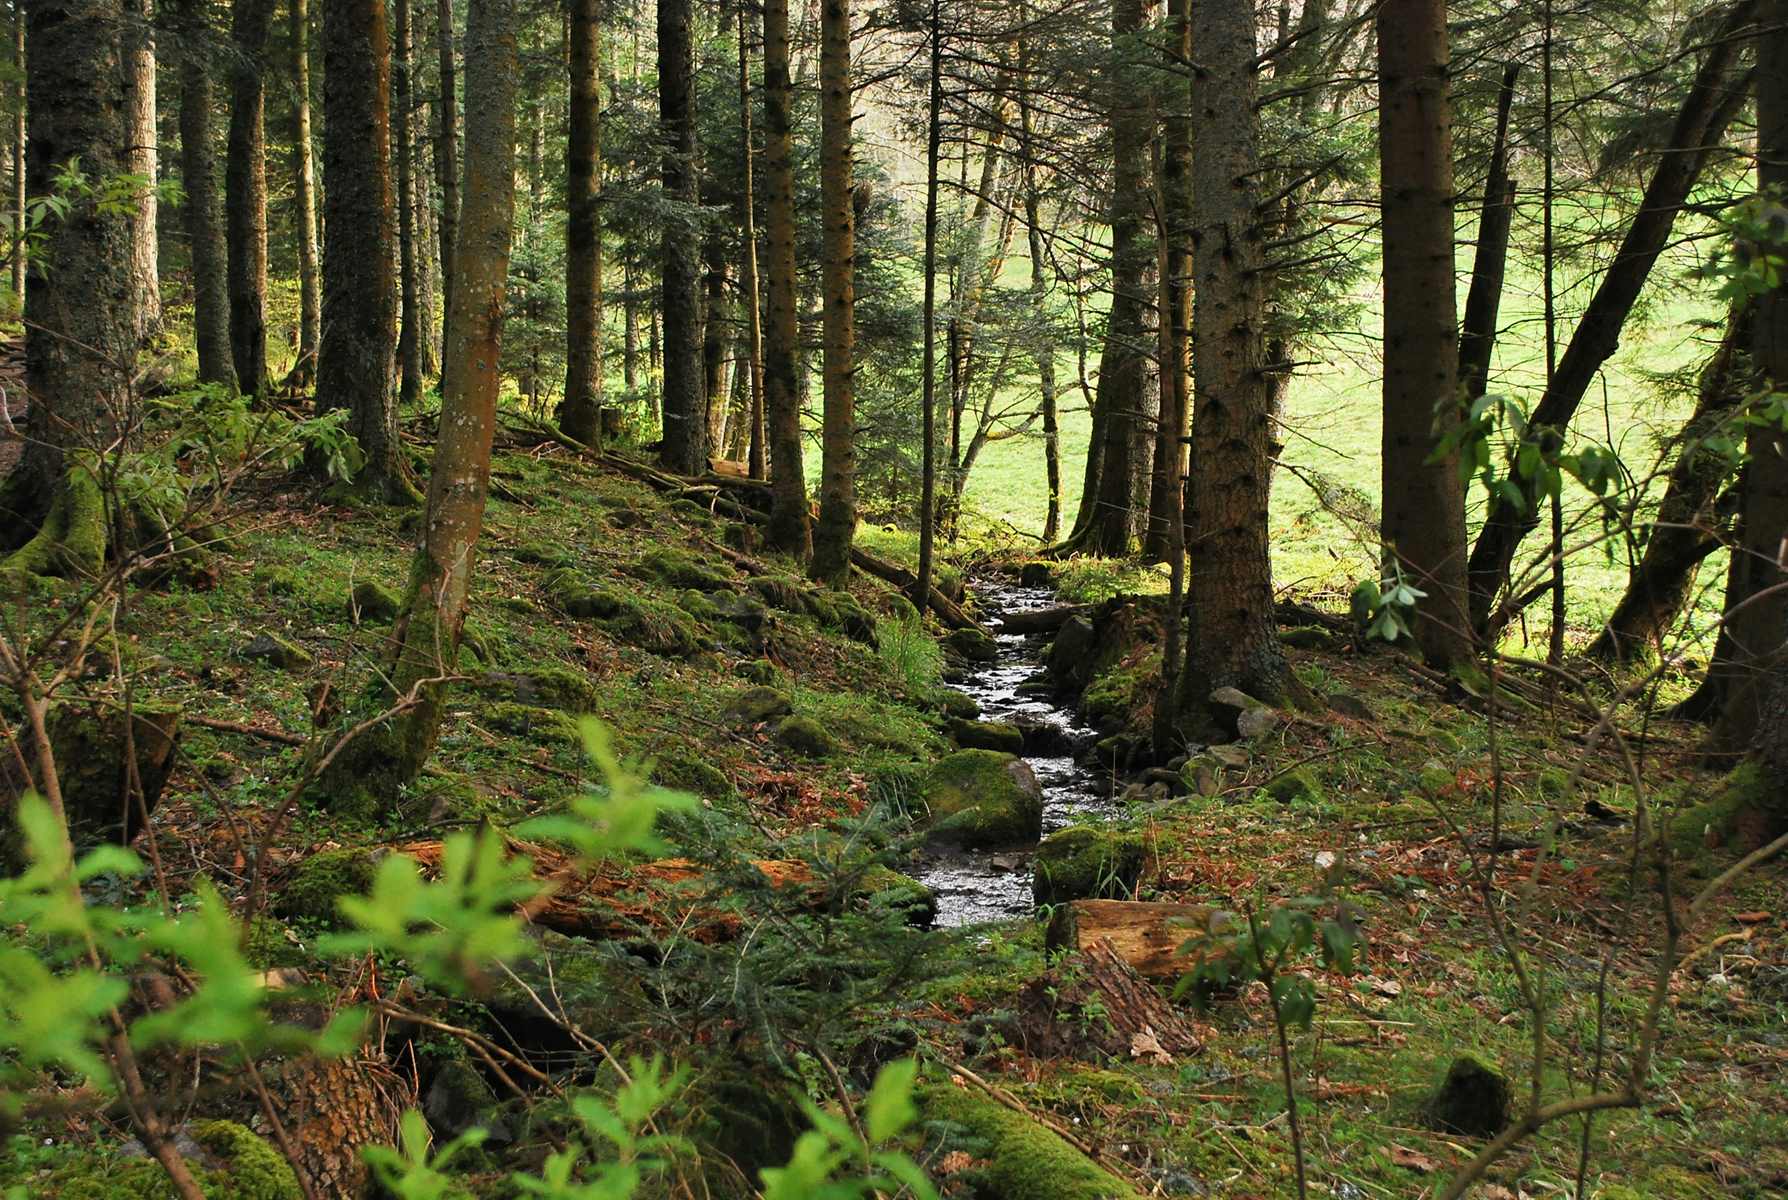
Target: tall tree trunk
[
  {"x": 421, "y": 189},
  {"x": 837, "y": 523},
  {"x": 685, "y": 446},
  {"x": 757, "y": 454},
  {"x": 1477, "y": 332},
  {"x": 1700, "y": 124},
  {"x": 359, "y": 232},
  {"x": 304, "y": 200},
  {"x": 18, "y": 155},
  {"x": 141, "y": 161},
  {"x": 934, "y": 128},
  {"x": 1756, "y": 615},
  {"x": 790, "y": 528},
  {"x": 203, "y": 210},
  {"x": 428, "y": 632},
  {"x": 1044, "y": 338},
  {"x": 1687, "y": 527},
  {"x": 1129, "y": 330},
  {"x": 630, "y": 327},
  {"x": 714, "y": 339},
  {"x": 1424, "y": 506},
  {"x": 581, "y": 413},
  {"x": 1232, "y": 639},
  {"x": 447, "y": 156},
  {"x": 1176, "y": 362},
  {"x": 245, "y": 184},
  {"x": 81, "y": 331},
  {"x": 409, "y": 344}
]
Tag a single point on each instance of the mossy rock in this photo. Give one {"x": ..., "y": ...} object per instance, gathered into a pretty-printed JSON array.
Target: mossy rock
[
  {"x": 806, "y": 737},
  {"x": 532, "y": 722},
  {"x": 983, "y": 798},
  {"x": 841, "y": 612},
  {"x": 1746, "y": 808},
  {"x": 756, "y": 705},
  {"x": 780, "y": 591},
  {"x": 649, "y": 624},
  {"x": 545, "y": 687},
  {"x": 1025, "y": 1160},
  {"x": 953, "y": 703},
  {"x": 1294, "y": 787},
  {"x": 269, "y": 943},
  {"x": 572, "y": 594},
  {"x": 680, "y": 569},
  {"x": 1083, "y": 863},
  {"x": 370, "y": 600},
  {"x": 276, "y": 651},
  {"x": 730, "y": 608},
  {"x": 973, "y": 645},
  {"x": 756, "y": 670},
  {"x": 312, "y": 888},
  {"x": 1474, "y": 1100},
  {"x": 89, "y": 746},
  {"x": 229, "y": 1163},
  {"x": 687, "y": 773},
  {"x": 544, "y": 554},
  {"x": 887, "y": 888},
  {"x": 987, "y": 735}
]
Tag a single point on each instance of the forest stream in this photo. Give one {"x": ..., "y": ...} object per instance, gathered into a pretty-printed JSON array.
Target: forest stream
[{"x": 977, "y": 886}]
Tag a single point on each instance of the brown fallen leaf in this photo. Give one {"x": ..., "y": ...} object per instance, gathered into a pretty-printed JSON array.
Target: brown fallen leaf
[
  {"x": 1413, "y": 1160},
  {"x": 1145, "y": 1045},
  {"x": 1751, "y": 918}
]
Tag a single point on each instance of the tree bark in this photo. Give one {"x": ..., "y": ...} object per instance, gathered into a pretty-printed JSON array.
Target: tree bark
[
  {"x": 1424, "y": 506},
  {"x": 304, "y": 200},
  {"x": 1176, "y": 360},
  {"x": 1687, "y": 527},
  {"x": 580, "y": 415},
  {"x": 714, "y": 340},
  {"x": 447, "y": 156},
  {"x": 1232, "y": 639},
  {"x": 409, "y": 343},
  {"x": 837, "y": 523},
  {"x": 245, "y": 184},
  {"x": 202, "y": 211},
  {"x": 141, "y": 161},
  {"x": 1477, "y": 332},
  {"x": 359, "y": 285},
  {"x": 685, "y": 444},
  {"x": 790, "y": 527},
  {"x": 18, "y": 156},
  {"x": 428, "y": 632},
  {"x": 1756, "y": 615},
  {"x": 1700, "y": 124},
  {"x": 757, "y": 456},
  {"x": 80, "y": 341}
]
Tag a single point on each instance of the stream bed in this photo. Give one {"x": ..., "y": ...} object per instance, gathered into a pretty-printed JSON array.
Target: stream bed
[{"x": 979, "y": 886}]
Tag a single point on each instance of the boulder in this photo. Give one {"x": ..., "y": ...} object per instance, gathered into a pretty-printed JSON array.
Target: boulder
[
  {"x": 1474, "y": 1100},
  {"x": 681, "y": 569},
  {"x": 1347, "y": 705},
  {"x": 276, "y": 651},
  {"x": 1253, "y": 722},
  {"x": 979, "y": 798},
  {"x": 1227, "y": 704},
  {"x": 544, "y": 687},
  {"x": 805, "y": 736},
  {"x": 1293, "y": 787},
  {"x": 972, "y": 645},
  {"x": 1070, "y": 655},
  {"x": 371, "y": 600},
  {"x": 1045, "y": 739},
  {"x": 1024, "y": 1160},
  {"x": 756, "y": 705},
  {"x": 888, "y": 888},
  {"x": 953, "y": 703},
  {"x": 1081, "y": 863},
  {"x": 1037, "y": 573},
  {"x": 91, "y": 764},
  {"x": 986, "y": 735}
]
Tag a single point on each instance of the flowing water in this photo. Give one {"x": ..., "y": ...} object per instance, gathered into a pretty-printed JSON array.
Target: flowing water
[{"x": 977, "y": 886}]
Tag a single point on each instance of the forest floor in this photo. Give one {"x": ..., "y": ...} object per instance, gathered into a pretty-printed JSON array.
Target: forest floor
[{"x": 758, "y": 998}]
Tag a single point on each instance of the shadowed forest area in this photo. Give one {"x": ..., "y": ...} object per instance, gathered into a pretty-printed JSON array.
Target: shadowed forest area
[{"x": 910, "y": 600}]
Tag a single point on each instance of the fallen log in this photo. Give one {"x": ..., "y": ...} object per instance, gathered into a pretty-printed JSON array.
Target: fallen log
[
  {"x": 1136, "y": 1020},
  {"x": 947, "y": 609},
  {"x": 1042, "y": 620},
  {"x": 1145, "y": 934}
]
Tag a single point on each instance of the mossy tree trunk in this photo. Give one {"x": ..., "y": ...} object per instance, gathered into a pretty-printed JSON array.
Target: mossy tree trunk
[
  {"x": 410, "y": 335},
  {"x": 1424, "y": 506},
  {"x": 750, "y": 297},
  {"x": 837, "y": 524},
  {"x": 304, "y": 199},
  {"x": 359, "y": 230},
  {"x": 447, "y": 159},
  {"x": 581, "y": 412},
  {"x": 428, "y": 632},
  {"x": 81, "y": 331},
  {"x": 685, "y": 444},
  {"x": 204, "y": 203},
  {"x": 1232, "y": 638},
  {"x": 245, "y": 184},
  {"x": 790, "y": 529}
]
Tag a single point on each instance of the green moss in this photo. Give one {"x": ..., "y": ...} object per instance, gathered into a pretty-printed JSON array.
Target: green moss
[
  {"x": 1746, "y": 792},
  {"x": 687, "y": 773},
  {"x": 1473, "y": 1100},
  {"x": 267, "y": 943},
  {"x": 533, "y": 722},
  {"x": 636, "y": 620},
  {"x": 983, "y": 798},
  {"x": 71, "y": 542},
  {"x": 806, "y": 737},
  {"x": 311, "y": 890},
  {"x": 888, "y": 888},
  {"x": 1293, "y": 787},
  {"x": 757, "y": 704},
  {"x": 1113, "y": 697},
  {"x": 779, "y": 591},
  {"x": 986, "y": 735},
  {"x": 1083, "y": 863},
  {"x": 953, "y": 703},
  {"x": 841, "y": 612},
  {"x": 1025, "y": 1161},
  {"x": 277, "y": 651},
  {"x": 371, "y": 600},
  {"x": 681, "y": 569},
  {"x": 547, "y": 687},
  {"x": 247, "y": 1169},
  {"x": 544, "y": 554},
  {"x": 973, "y": 645}
]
